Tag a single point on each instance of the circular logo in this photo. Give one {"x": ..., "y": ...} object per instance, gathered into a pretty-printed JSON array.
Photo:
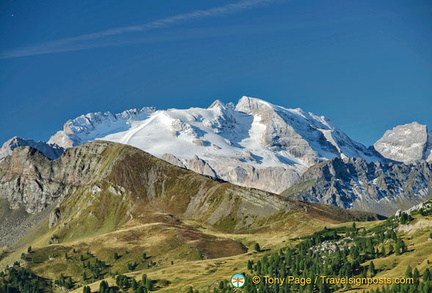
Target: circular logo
[
  {"x": 238, "y": 280},
  {"x": 256, "y": 280}
]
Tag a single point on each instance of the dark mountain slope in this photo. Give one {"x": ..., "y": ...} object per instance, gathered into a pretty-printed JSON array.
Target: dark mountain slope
[{"x": 358, "y": 185}]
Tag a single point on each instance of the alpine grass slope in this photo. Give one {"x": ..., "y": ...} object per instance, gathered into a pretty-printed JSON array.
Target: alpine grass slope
[{"x": 103, "y": 210}]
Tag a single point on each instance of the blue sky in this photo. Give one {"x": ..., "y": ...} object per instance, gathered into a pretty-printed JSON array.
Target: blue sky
[{"x": 366, "y": 65}]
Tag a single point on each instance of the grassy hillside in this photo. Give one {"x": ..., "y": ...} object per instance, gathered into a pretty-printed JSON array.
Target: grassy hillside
[
  {"x": 189, "y": 254},
  {"x": 124, "y": 214}
]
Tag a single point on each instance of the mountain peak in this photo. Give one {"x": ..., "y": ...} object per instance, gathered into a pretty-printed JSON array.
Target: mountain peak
[
  {"x": 13, "y": 141},
  {"x": 250, "y": 144},
  {"x": 91, "y": 126},
  {"x": 406, "y": 143},
  {"x": 252, "y": 106},
  {"x": 217, "y": 104},
  {"x": 52, "y": 151}
]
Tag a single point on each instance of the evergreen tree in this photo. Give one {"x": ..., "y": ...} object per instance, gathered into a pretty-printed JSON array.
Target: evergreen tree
[
  {"x": 427, "y": 275},
  {"x": 403, "y": 246},
  {"x": 383, "y": 251},
  {"x": 149, "y": 285},
  {"x": 250, "y": 265},
  {"x": 391, "y": 249},
  {"x": 372, "y": 271},
  {"x": 103, "y": 287},
  {"x": 408, "y": 272},
  {"x": 398, "y": 247},
  {"x": 416, "y": 276},
  {"x": 403, "y": 218}
]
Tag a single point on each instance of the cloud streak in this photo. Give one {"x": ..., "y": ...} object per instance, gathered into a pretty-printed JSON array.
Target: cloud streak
[{"x": 94, "y": 40}]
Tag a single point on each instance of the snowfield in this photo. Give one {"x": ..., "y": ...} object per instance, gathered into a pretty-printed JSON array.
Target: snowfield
[{"x": 248, "y": 143}]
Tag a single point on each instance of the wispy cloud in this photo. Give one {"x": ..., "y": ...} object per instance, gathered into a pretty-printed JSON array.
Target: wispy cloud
[{"x": 99, "y": 39}]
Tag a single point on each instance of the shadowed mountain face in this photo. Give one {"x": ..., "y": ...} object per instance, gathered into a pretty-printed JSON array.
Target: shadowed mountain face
[
  {"x": 100, "y": 186},
  {"x": 358, "y": 185}
]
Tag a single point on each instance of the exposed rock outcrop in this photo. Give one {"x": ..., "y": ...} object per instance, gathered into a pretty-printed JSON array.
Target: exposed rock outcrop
[
  {"x": 201, "y": 167},
  {"x": 407, "y": 143},
  {"x": 356, "y": 184},
  {"x": 29, "y": 179},
  {"x": 50, "y": 150}
]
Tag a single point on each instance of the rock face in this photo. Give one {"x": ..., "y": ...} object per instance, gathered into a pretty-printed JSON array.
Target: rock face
[
  {"x": 54, "y": 218},
  {"x": 170, "y": 158},
  {"x": 86, "y": 165},
  {"x": 50, "y": 150},
  {"x": 93, "y": 125},
  {"x": 29, "y": 179},
  {"x": 304, "y": 135},
  {"x": 31, "y": 185},
  {"x": 201, "y": 167},
  {"x": 254, "y": 143},
  {"x": 358, "y": 185},
  {"x": 407, "y": 143}
]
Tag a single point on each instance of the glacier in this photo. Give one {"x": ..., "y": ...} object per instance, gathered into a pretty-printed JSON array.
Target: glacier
[{"x": 252, "y": 143}]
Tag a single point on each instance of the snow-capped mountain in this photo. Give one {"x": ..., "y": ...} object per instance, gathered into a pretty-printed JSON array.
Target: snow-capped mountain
[
  {"x": 94, "y": 125},
  {"x": 50, "y": 150},
  {"x": 257, "y": 144},
  {"x": 407, "y": 143},
  {"x": 253, "y": 143}
]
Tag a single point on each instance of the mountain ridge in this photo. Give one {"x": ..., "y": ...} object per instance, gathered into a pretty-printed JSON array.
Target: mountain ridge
[
  {"x": 355, "y": 184},
  {"x": 130, "y": 185},
  {"x": 50, "y": 150},
  {"x": 252, "y": 143}
]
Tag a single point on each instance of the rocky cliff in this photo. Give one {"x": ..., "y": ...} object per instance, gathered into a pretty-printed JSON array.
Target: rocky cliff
[
  {"x": 407, "y": 143},
  {"x": 359, "y": 185}
]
